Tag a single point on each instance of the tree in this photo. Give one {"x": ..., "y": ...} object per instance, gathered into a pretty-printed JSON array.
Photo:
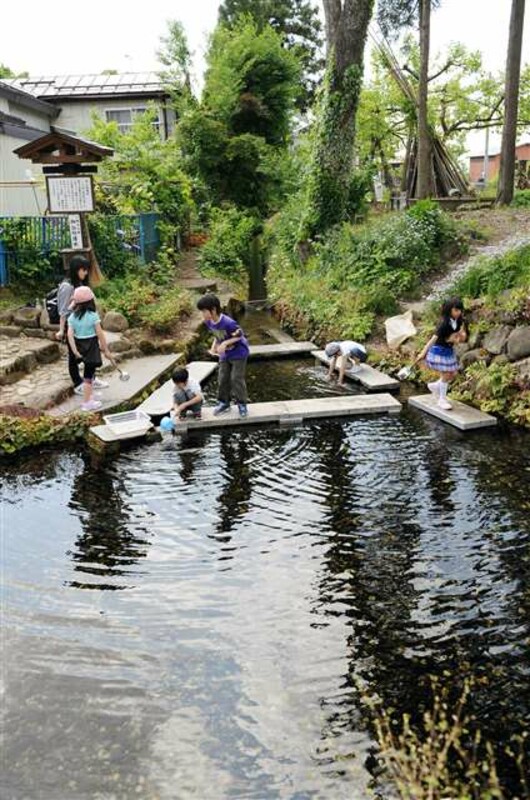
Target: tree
[
  {"x": 394, "y": 15},
  {"x": 328, "y": 191},
  {"x": 511, "y": 103},
  {"x": 6, "y": 72},
  {"x": 235, "y": 142},
  {"x": 297, "y": 22},
  {"x": 175, "y": 56}
]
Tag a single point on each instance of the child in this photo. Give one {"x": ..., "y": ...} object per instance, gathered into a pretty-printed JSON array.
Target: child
[
  {"x": 187, "y": 395},
  {"x": 78, "y": 276},
  {"x": 231, "y": 346},
  {"x": 87, "y": 340},
  {"x": 346, "y": 351},
  {"x": 439, "y": 351}
]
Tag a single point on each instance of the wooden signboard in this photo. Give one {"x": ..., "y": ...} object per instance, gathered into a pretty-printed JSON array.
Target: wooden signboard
[
  {"x": 70, "y": 195},
  {"x": 76, "y": 231}
]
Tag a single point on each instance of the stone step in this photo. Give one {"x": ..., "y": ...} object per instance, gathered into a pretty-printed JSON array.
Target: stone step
[
  {"x": 282, "y": 412},
  {"x": 201, "y": 285},
  {"x": 284, "y": 350},
  {"x": 142, "y": 371},
  {"x": 42, "y": 388},
  {"x": 372, "y": 379},
  {"x": 463, "y": 417},
  {"x": 18, "y": 356},
  {"x": 161, "y": 401}
]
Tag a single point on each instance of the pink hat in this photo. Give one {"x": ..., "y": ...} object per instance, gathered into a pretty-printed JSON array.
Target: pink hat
[{"x": 83, "y": 294}]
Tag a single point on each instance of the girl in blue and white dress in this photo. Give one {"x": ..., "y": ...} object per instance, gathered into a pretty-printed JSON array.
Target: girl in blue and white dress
[{"x": 439, "y": 353}]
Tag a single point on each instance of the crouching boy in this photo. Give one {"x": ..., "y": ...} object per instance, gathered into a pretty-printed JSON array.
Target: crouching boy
[
  {"x": 349, "y": 354},
  {"x": 187, "y": 395}
]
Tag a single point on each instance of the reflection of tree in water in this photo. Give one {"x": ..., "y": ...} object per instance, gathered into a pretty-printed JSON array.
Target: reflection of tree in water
[
  {"x": 109, "y": 543},
  {"x": 234, "y": 499},
  {"x": 371, "y": 561}
]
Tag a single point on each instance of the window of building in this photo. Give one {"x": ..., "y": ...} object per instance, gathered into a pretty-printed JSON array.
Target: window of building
[{"x": 124, "y": 117}]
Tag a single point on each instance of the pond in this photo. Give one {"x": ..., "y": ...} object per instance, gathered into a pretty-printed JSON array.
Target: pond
[{"x": 191, "y": 619}]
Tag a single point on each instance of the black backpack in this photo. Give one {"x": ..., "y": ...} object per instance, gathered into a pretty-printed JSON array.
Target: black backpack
[{"x": 51, "y": 307}]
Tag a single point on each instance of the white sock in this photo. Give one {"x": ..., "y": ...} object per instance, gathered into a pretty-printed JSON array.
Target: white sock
[{"x": 443, "y": 389}]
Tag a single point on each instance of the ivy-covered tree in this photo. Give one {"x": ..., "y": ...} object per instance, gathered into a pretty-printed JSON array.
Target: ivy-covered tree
[
  {"x": 299, "y": 25},
  {"x": 330, "y": 179}
]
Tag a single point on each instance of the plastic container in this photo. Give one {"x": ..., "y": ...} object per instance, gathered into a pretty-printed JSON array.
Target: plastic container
[{"x": 127, "y": 422}]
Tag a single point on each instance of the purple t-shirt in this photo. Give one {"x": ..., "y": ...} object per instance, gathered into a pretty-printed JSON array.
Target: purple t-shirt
[{"x": 226, "y": 328}]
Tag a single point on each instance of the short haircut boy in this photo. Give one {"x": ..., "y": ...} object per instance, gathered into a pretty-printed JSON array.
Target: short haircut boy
[
  {"x": 180, "y": 375},
  {"x": 209, "y": 302}
]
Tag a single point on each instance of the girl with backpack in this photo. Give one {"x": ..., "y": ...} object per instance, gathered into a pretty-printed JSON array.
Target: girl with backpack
[
  {"x": 78, "y": 276},
  {"x": 86, "y": 340}
]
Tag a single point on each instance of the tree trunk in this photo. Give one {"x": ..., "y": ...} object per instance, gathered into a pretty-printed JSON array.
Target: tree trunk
[
  {"x": 511, "y": 104},
  {"x": 424, "y": 140},
  {"x": 332, "y": 162}
]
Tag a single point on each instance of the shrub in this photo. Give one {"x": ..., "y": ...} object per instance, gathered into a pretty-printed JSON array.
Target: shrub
[
  {"x": 143, "y": 302},
  {"x": 490, "y": 276},
  {"x": 521, "y": 198},
  {"x": 169, "y": 307},
  {"x": 226, "y": 253},
  {"x": 17, "y": 433}
]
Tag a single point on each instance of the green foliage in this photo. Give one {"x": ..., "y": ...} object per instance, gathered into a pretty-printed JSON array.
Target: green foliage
[
  {"x": 490, "y": 276},
  {"x": 31, "y": 263},
  {"x": 355, "y": 273},
  {"x": 108, "y": 245},
  {"x": 521, "y": 198},
  {"x": 6, "y": 72},
  {"x": 17, "y": 433},
  {"x": 144, "y": 302},
  {"x": 175, "y": 56},
  {"x": 227, "y": 251},
  {"x": 146, "y": 173},
  {"x": 298, "y": 24},
  {"x": 235, "y": 143},
  {"x": 496, "y": 389}
]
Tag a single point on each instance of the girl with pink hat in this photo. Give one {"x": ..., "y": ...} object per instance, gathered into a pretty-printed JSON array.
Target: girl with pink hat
[{"x": 87, "y": 340}]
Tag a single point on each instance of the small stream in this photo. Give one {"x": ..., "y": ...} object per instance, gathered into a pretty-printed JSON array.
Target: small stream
[{"x": 190, "y": 620}]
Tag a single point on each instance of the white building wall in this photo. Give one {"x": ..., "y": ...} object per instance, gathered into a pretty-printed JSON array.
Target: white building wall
[
  {"x": 19, "y": 200},
  {"x": 76, "y": 116}
]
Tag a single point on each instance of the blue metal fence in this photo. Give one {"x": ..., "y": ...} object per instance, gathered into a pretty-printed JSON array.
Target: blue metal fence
[{"x": 23, "y": 238}]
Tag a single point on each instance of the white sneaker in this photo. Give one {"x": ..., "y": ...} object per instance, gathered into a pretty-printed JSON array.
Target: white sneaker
[
  {"x": 434, "y": 388},
  {"x": 445, "y": 404},
  {"x": 79, "y": 389},
  {"x": 92, "y": 405},
  {"x": 99, "y": 384},
  {"x": 356, "y": 369}
]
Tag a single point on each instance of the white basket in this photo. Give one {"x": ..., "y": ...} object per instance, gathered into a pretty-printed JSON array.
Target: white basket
[{"x": 128, "y": 422}]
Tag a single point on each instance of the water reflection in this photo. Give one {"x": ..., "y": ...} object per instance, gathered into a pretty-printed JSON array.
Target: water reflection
[
  {"x": 263, "y": 572},
  {"x": 110, "y": 544}
]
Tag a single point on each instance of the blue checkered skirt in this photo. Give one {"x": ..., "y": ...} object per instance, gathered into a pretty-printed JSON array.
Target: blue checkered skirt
[{"x": 441, "y": 359}]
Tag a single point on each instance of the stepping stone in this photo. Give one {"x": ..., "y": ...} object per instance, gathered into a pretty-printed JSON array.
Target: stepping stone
[
  {"x": 372, "y": 379},
  {"x": 463, "y": 417},
  {"x": 198, "y": 284},
  {"x": 279, "y": 335},
  {"x": 283, "y": 350},
  {"x": 288, "y": 411},
  {"x": 143, "y": 372},
  {"x": 161, "y": 402}
]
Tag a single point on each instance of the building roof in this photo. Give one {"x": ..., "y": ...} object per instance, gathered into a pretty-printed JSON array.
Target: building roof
[
  {"x": 81, "y": 86},
  {"x": 59, "y": 147},
  {"x": 26, "y": 99},
  {"x": 496, "y": 155}
]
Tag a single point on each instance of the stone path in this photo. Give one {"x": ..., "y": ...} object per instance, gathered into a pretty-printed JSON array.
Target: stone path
[
  {"x": 463, "y": 417},
  {"x": 41, "y": 388},
  {"x": 282, "y": 412},
  {"x": 22, "y": 354}
]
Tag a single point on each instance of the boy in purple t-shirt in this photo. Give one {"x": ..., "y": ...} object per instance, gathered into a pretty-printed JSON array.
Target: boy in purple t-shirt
[{"x": 231, "y": 346}]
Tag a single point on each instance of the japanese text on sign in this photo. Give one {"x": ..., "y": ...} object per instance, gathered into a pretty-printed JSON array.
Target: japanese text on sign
[
  {"x": 76, "y": 232},
  {"x": 70, "y": 194}
]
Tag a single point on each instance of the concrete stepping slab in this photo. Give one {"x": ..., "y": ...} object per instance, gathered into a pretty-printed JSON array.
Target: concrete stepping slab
[
  {"x": 283, "y": 350},
  {"x": 198, "y": 284},
  {"x": 372, "y": 379},
  {"x": 161, "y": 401},
  {"x": 463, "y": 417},
  {"x": 143, "y": 371},
  {"x": 284, "y": 412},
  {"x": 23, "y": 355}
]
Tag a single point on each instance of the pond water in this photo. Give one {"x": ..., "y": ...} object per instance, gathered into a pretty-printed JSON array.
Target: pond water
[{"x": 189, "y": 620}]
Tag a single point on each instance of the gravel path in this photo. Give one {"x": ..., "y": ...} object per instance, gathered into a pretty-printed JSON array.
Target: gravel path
[{"x": 440, "y": 286}]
